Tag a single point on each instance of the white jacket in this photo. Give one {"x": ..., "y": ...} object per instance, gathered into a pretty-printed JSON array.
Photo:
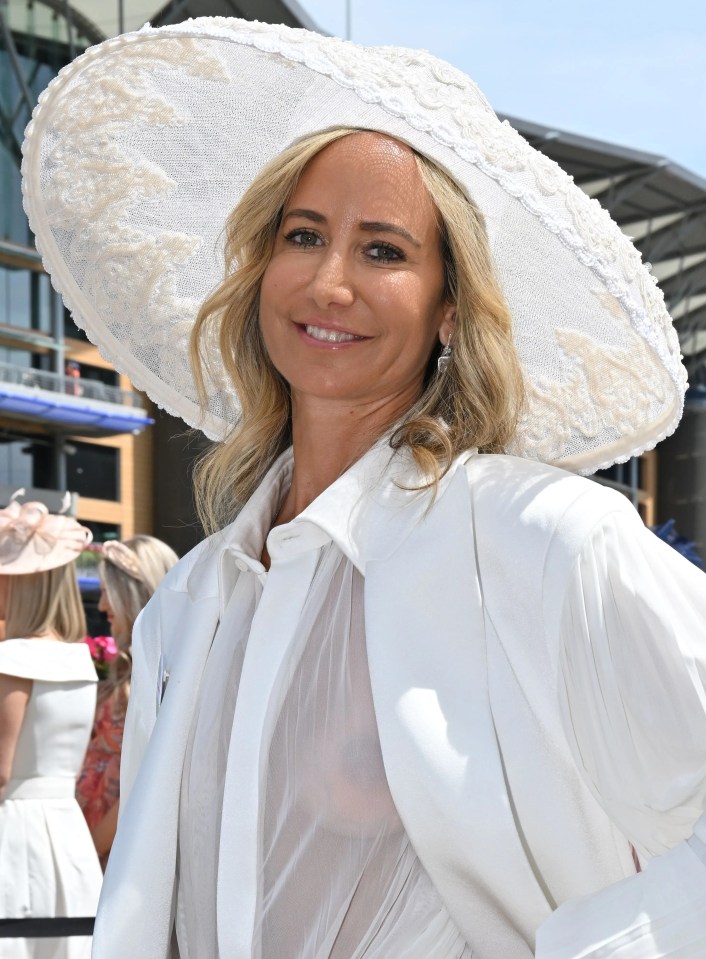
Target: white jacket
[{"x": 538, "y": 668}]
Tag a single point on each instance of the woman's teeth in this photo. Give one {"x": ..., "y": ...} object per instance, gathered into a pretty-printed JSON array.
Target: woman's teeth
[{"x": 331, "y": 336}]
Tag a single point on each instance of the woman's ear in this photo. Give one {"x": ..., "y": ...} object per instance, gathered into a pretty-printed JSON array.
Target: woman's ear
[{"x": 448, "y": 323}]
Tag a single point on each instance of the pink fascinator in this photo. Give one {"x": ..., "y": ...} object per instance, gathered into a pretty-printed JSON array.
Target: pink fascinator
[
  {"x": 33, "y": 540},
  {"x": 122, "y": 557}
]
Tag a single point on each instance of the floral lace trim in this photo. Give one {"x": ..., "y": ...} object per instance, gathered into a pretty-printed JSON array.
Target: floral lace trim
[
  {"x": 600, "y": 386},
  {"x": 95, "y": 181}
]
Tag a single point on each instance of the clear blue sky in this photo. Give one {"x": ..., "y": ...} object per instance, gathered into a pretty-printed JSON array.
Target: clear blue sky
[{"x": 628, "y": 71}]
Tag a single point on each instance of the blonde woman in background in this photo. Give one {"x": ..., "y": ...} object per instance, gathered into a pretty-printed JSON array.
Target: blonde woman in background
[
  {"x": 48, "y": 866},
  {"x": 130, "y": 572}
]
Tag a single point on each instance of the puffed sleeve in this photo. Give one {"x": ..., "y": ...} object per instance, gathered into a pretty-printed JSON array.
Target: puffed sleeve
[{"x": 633, "y": 692}]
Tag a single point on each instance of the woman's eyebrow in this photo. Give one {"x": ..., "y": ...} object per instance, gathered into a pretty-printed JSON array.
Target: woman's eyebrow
[
  {"x": 376, "y": 226},
  {"x": 306, "y": 215}
]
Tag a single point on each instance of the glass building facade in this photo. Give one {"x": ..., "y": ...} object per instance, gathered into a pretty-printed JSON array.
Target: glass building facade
[{"x": 67, "y": 421}]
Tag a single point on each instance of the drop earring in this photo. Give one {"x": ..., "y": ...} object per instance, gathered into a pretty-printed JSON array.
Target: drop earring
[{"x": 444, "y": 359}]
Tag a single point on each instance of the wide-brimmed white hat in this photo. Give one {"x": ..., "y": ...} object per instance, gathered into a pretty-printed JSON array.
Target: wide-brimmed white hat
[
  {"x": 140, "y": 148},
  {"x": 33, "y": 540}
]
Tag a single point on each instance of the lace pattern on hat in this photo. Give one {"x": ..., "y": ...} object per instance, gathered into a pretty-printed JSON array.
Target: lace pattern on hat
[{"x": 594, "y": 382}]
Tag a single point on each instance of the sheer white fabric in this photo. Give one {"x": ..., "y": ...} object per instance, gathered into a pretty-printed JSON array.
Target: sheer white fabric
[{"x": 336, "y": 875}]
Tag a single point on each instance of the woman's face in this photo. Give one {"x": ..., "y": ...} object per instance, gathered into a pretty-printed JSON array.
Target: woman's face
[
  {"x": 352, "y": 301},
  {"x": 118, "y": 626}
]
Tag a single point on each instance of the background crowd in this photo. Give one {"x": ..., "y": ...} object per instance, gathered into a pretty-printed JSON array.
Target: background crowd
[{"x": 63, "y": 698}]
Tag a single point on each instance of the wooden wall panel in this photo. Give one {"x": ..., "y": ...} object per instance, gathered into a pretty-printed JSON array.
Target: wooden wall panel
[{"x": 134, "y": 512}]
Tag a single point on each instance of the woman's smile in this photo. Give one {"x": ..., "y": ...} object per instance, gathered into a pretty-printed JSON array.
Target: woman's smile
[{"x": 328, "y": 336}]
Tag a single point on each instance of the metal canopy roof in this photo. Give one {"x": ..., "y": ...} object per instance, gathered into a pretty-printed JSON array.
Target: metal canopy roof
[
  {"x": 288, "y": 12},
  {"x": 660, "y": 205},
  {"x": 96, "y": 19}
]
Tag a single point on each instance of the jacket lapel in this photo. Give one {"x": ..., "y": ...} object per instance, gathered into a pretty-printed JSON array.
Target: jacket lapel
[{"x": 426, "y": 640}]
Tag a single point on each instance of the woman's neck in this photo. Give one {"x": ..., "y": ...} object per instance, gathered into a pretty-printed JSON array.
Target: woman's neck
[{"x": 327, "y": 440}]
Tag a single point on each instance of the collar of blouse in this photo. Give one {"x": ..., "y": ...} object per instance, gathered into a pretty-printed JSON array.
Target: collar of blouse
[{"x": 355, "y": 513}]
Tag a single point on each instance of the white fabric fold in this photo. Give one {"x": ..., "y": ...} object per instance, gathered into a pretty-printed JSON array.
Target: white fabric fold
[{"x": 633, "y": 682}]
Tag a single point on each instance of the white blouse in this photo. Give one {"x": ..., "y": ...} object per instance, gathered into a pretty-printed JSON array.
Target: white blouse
[{"x": 327, "y": 870}]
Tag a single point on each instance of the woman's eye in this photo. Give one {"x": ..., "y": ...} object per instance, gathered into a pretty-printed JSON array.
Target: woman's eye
[
  {"x": 384, "y": 253},
  {"x": 303, "y": 237}
]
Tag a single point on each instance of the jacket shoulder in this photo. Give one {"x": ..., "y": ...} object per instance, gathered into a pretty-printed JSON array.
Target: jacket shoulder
[
  {"x": 531, "y": 523},
  {"x": 532, "y": 493}
]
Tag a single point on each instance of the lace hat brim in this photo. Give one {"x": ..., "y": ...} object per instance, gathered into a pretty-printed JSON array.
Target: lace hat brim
[{"x": 140, "y": 148}]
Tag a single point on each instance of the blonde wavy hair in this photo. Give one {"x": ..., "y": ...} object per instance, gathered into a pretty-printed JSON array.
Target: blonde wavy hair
[
  {"x": 39, "y": 603},
  {"x": 127, "y": 596},
  {"x": 476, "y": 402}
]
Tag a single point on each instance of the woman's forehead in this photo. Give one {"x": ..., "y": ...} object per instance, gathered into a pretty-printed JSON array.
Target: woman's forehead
[
  {"x": 368, "y": 171},
  {"x": 366, "y": 148}
]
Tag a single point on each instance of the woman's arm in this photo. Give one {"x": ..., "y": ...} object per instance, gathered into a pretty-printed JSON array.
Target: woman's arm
[
  {"x": 14, "y": 696},
  {"x": 104, "y": 831},
  {"x": 633, "y": 693},
  {"x": 633, "y": 682}
]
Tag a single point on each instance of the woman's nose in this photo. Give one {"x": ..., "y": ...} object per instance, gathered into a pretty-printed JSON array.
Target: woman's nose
[{"x": 332, "y": 283}]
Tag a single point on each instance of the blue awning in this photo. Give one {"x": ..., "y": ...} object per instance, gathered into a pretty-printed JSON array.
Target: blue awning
[
  {"x": 71, "y": 410},
  {"x": 88, "y": 583}
]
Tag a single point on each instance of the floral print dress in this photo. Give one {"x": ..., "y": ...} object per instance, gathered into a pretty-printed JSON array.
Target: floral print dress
[{"x": 98, "y": 787}]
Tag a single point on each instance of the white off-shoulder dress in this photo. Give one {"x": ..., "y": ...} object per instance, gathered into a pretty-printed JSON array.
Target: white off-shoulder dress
[{"x": 48, "y": 863}]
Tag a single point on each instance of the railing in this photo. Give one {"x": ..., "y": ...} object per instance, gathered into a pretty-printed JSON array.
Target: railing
[
  {"x": 54, "y": 928},
  {"x": 69, "y": 385}
]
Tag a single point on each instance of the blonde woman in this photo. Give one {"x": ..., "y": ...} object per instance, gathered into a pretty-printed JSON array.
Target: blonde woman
[
  {"x": 48, "y": 866},
  {"x": 424, "y": 692},
  {"x": 130, "y": 573}
]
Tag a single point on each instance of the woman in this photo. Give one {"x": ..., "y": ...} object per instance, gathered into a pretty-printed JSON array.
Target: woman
[
  {"x": 130, "y": 573},
  {"x": 432, "y": 701},
  {"x": 48, "y": 866}
]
